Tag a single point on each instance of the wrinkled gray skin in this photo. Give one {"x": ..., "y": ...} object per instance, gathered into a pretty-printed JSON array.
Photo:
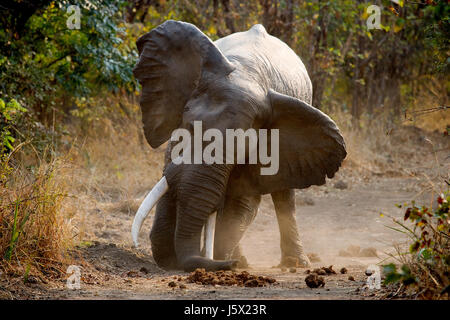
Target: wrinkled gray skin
[{"x": 245, "y": 80}]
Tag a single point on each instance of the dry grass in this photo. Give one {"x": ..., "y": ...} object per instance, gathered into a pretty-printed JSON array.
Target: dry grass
[
  {"x": 380, "y": 147},
  {"x": 434, "y": 121},
  {"x": 45, "y": 201},
  {"x": 370, "y": 147},
  {"x": 34, "y": 232},
  {"x": 115, "y": 163},
  {"x": 112, "y": 165},
  {"x": 435, "y": 94}
]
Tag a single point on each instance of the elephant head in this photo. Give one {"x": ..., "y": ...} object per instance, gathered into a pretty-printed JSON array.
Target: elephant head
[{"x": 185, "y": 78}]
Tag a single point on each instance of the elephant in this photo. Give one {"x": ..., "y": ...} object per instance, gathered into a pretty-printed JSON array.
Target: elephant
[{"x": 246, "y": 80}]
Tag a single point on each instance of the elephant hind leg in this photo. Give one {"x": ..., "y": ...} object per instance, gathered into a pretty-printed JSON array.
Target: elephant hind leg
[{"x": 292, "y": 254}]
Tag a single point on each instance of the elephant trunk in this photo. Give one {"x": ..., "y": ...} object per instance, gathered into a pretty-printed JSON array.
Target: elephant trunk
[{"x": 200, "y": 190}]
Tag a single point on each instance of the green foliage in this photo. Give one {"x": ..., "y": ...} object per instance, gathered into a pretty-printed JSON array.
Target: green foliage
[
  {"x": 373, "y": 65},
  {"x": 9, "y": 114},
  {"x": 429, "y": 263},
  {"x": 437, "y": 35},
  {"x": 403, "y": 275},
  {"x": 15, "y": 232},
  {"x": 46, "y": 65}
]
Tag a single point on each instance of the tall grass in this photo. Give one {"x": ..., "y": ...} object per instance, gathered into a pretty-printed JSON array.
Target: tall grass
[
  {"x": 34, "y": 234},
  {"x": 46, "y": 201}
]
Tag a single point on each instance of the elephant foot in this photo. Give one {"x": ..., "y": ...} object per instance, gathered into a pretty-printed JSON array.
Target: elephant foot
[
  {"x": 242, "y": 263},
  {"x": 242, "y": 260},
  {"x": 302, "y": 261},
  {"x": 192, "y": 263}
]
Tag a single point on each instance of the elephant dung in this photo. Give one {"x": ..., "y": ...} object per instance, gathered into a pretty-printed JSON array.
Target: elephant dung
[
  {"x": 314, "y": 281},
  {"x": 329, "y": 270},
  {"x": 319, "y": 271},
  {"x": 322, "y": 271},
  {"x": 227, "y": 278}
]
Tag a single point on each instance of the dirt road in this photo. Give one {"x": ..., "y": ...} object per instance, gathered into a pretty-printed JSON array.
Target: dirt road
[{"x": 331, "y": 218}]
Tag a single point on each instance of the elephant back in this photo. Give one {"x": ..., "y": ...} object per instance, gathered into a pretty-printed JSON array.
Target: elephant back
[{"x": 268, "y": 61}]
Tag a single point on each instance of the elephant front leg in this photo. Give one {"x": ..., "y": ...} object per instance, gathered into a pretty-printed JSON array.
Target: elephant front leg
[
  {"x": 238, "y": 255},
  {"x": 292, "y": 254},
  {"x": 163, "y": 233},
  {"x": 232, "y": 222}
]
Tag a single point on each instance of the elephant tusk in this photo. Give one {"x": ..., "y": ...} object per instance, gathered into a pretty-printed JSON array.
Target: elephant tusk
[
  {"x": 149, "y": 202},
  {"x": 210, "y": 229}
]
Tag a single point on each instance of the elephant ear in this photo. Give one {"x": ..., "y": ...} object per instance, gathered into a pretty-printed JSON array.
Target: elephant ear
[
  {"x": 173, "y": 59},
  {"x": 311, "y": 148}
]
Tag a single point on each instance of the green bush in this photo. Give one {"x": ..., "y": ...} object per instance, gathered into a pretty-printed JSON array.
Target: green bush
[
  {"x": 48, "y": 67},
  {"x": 426, "y": 266},
  {"x": 9, "y": 114}
]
